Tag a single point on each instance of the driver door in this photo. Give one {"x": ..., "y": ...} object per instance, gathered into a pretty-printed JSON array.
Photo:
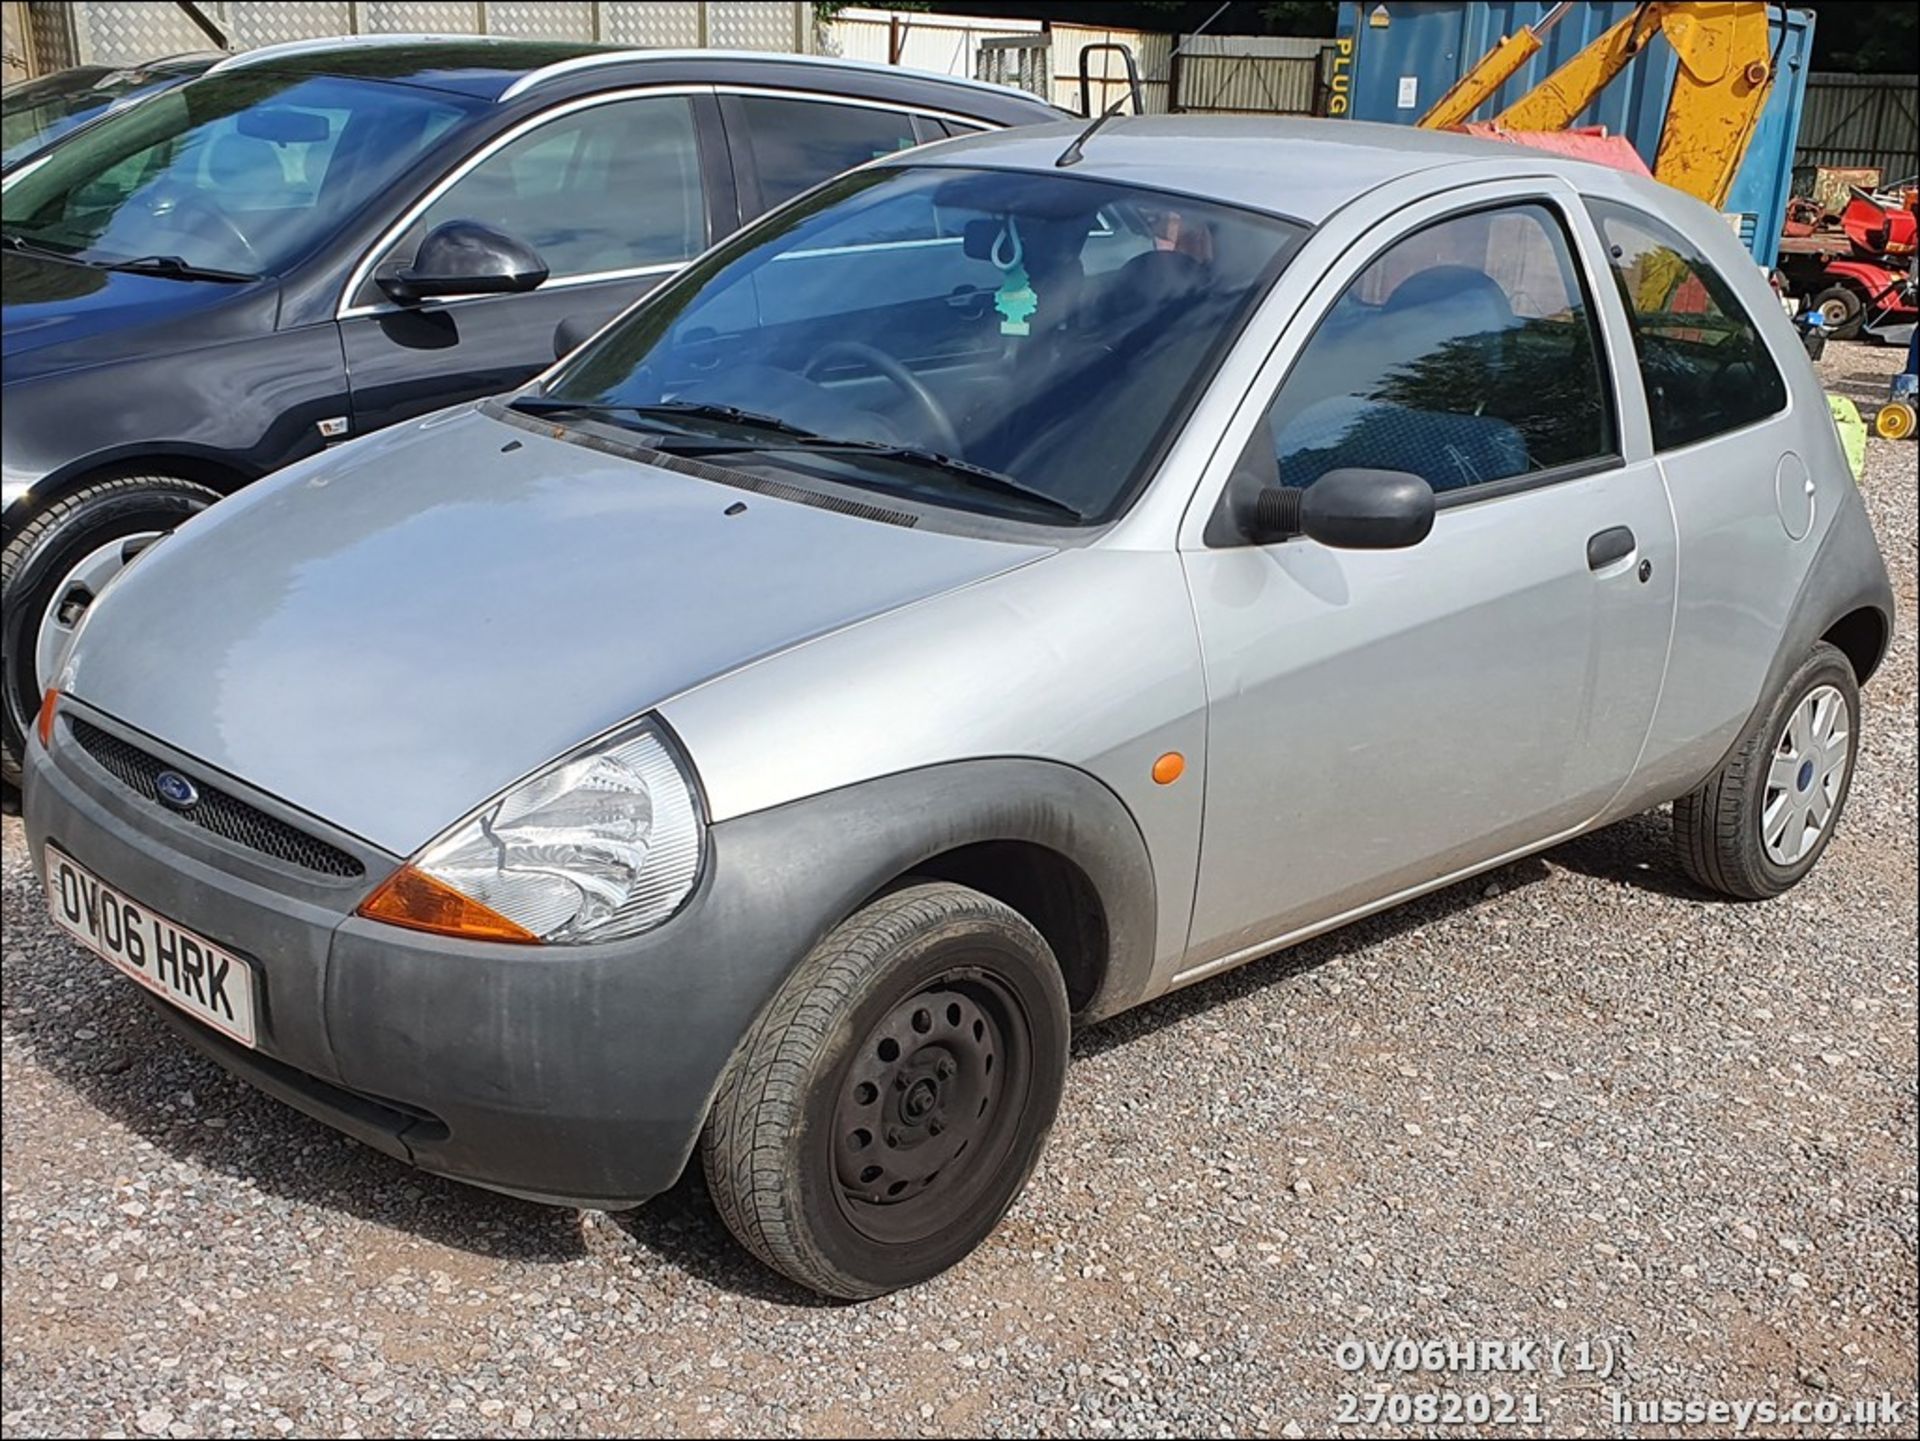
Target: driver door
[
  {"x": 615, "y": 196},
  {"x": 1382, "y": 720}
]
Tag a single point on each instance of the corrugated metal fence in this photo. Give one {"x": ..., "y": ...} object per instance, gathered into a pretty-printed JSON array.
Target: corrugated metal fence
[
  {"x": 1107, "y": 71},
  {"x": 120, "y": 32},
  {"x": 1861, "y": 120},
  {"x": 944, "y": 44}
]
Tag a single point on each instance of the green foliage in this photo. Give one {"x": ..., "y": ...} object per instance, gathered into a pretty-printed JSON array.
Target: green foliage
[
  {"x": 1870, "y": 38},
  {"x": 1300, "y": 17}
]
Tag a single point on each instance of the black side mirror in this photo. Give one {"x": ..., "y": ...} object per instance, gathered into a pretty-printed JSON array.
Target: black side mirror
[
  {"x": 570, "y": 334},
  {"x": 464, "y": 257},
  {"x": 1348, "y": 509}
]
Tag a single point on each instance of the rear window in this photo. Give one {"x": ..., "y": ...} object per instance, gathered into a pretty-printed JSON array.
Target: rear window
[
  {"x": 796, "y": 144},
  {"x": 1705, "y": 367}
]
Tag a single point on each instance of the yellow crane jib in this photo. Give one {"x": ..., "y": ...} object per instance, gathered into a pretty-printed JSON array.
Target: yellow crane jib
[
  {"x": 1719, "y": 88},
  {"x": 1490, "y": 72}
]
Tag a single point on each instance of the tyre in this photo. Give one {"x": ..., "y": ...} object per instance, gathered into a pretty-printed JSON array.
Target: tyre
[
  {"x": 1841, "y": 311},
  {"x": 889, "y": 1106},
  {"x": 51, "y": 570},
  {"x": 1760, "y": 822}
]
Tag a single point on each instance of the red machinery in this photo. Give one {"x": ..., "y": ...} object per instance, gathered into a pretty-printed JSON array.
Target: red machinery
[{"x": 1855, "y": 268}]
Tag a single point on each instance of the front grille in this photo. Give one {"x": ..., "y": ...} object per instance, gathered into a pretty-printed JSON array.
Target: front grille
[{"x": 226, "y": 816}]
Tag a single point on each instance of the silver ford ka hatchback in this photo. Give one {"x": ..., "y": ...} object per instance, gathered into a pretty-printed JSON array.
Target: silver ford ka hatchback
[{"x": 1009, "y": 582}]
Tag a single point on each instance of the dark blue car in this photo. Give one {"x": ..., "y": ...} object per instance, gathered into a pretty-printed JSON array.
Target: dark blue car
[
  {"x": 35, "y": 113},
  {"x": 312, "y": 241}
]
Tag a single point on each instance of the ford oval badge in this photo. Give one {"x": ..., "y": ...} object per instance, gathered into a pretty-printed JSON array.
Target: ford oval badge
[{"x": 176, "y": 790}]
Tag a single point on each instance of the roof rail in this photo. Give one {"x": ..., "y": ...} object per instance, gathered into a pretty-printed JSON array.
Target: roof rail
[
  {"x": 546, "y": 74},
  {"x": 266, "y": 54}
]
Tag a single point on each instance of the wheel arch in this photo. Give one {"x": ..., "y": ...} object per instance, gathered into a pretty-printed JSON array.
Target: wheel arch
[
  {"x": 212, "y": 469},
  {"x": 1862, "y": 635},
  {"x": 1845, "y": 599},
  {"x": 1047, "y": 839},
  {"x": 1048, "y": 889}
]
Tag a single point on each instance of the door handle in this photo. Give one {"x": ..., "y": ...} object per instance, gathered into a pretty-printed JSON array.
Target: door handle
[{"x": 1615, "y": 543}]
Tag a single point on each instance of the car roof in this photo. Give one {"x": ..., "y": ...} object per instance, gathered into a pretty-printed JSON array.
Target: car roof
[
  {"x": 501, "y": 69},
  {"x": 1303, "y": 169}
]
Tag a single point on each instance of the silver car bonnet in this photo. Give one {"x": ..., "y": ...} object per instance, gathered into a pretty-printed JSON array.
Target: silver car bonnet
[{"x": 387, "y": 635}]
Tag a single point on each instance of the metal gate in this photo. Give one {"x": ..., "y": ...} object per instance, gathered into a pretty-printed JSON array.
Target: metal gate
[{"x": 1251, "y": 75}]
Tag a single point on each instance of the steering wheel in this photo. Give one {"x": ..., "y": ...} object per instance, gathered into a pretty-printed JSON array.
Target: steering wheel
[
  {"x": 181, "y": 201},
  {"x": 938, "y": 423}
]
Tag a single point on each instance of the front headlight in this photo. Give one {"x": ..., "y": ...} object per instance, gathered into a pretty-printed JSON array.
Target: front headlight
[{"x": 601, "y": 844}]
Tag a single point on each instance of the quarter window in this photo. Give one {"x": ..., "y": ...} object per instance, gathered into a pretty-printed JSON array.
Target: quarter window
[
  {"x": 1705, "y": 367},
  {"x": 795, "y": 144},
  {"x": 1464, "y": 353},
  {"x": 612, "y": 187}
]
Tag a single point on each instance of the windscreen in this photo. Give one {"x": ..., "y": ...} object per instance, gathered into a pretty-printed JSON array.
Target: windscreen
[
  {"x": 242, "y": 172},
  {"x": 1011, "y": 342},
  {"x": 36, "y": 112}
]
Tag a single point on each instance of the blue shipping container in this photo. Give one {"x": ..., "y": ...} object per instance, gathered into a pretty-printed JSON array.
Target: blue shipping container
[{"x": 1393, "y": 60}]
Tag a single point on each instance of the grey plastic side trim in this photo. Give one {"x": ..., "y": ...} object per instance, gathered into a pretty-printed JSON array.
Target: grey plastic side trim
[
  {"x": 851, "y": 842},
  {"x": 1848, "y": 574}
]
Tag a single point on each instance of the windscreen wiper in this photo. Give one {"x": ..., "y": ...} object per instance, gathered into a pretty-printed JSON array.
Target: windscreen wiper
[
  {"x": 977, "y": 477},
  {"x": 799, "y": 440},
  {"x": 731, "y": 414},
  {"x": 670, "y": 410},
  {"x": 173, "y": 267},
  {"x": 25, "y": 246}
]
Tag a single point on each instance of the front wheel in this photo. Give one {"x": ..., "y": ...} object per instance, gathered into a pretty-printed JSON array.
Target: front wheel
[
  {"x": 1757, "y": 825},
  {"x": 888, "y": 1108},
  {"x": 52, "y": 570}
]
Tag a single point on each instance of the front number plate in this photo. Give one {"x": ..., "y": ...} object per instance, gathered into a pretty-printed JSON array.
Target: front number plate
[{"x": 199, "y": 977}]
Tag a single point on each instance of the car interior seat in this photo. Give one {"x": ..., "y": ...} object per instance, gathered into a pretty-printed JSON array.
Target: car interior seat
[{"x": 245, "y": 173}]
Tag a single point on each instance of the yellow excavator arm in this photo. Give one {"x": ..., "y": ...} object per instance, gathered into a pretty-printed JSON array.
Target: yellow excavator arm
[{"x": 1719, "y": 90}]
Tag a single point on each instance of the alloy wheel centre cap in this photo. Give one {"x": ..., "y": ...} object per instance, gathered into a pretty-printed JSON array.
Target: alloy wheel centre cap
[{"x": 1805, "y": 778}]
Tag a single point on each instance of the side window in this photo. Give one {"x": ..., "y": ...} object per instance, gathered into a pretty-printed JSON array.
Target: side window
[
  {"x": 1465, "y": 353},
  {"x": 1706, "y": 368},
  {"x": 798, "y": 143},
  {"x": 611, "y": 187}
]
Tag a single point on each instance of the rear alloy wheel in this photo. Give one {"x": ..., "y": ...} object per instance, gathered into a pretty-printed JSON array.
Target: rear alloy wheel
[
  {"x": 889, "y": 1107},
  {"x": 1758, "y": 824},
  {"x": 51, "y": 572}
]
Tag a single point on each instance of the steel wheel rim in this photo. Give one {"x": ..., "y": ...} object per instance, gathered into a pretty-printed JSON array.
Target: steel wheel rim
[
  {"x": 1805, "y": 776},
  {"x": 1833, "y": 313},
  {"x": 929, "y": 1107},
  {"x": 76, "y": 593}
]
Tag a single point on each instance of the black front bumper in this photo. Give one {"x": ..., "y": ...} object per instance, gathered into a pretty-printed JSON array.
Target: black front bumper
[{"x": 573, "y": 1075}]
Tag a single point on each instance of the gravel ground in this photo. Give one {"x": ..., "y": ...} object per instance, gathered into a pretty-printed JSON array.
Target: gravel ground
[{"x": 1571, "y": 1100}]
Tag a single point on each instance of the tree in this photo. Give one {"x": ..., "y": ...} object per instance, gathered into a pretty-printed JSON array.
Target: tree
[{"x": 1872, "y": 38}]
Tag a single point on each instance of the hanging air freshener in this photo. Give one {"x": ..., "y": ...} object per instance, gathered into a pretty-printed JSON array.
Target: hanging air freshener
[{"x": 1015, "y": 299}]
